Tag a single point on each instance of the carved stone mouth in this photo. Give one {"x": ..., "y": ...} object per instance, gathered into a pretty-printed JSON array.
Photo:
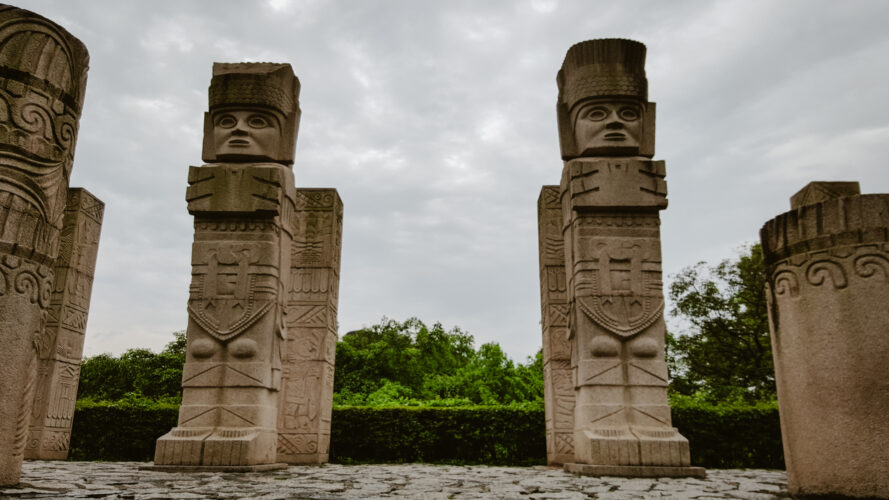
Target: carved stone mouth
[
  {"x": 239, "y": 142},
  {"x": 615, "y": 136}
]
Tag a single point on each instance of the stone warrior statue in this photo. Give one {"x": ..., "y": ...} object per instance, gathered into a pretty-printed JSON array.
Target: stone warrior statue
[
  {"x": 243, "y": 204},
  {"x": 48, "y": 237},
  {"x": 610, "y": 196}
]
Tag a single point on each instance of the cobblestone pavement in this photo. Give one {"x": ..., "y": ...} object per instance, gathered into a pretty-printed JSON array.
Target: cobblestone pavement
[{"x": 421, "y": 481}]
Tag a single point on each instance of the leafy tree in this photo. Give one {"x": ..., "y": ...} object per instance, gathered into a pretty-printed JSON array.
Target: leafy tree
[
  {"x": 138, "y": 373},
  {"x": 390, "y": 363},
  {"x": 398, "y": 352},
  {"x": 726, "y": 354},
  {"x": 410, "y": 363}
]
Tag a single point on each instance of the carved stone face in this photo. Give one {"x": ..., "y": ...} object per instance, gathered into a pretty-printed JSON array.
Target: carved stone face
[
  {"x": 608, "y": 126},
  {"x": 246, "y": 134}
]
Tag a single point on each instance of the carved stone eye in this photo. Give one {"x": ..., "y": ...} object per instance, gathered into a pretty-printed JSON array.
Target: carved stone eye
[
  {"x": 258, "y": 121},
  {"x": 596, "y": 113},
  {"x": 226, "y": 121},
  {"x": 629, "y": 113}
]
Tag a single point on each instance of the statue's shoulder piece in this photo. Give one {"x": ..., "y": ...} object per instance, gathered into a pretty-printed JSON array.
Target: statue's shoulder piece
[
  {"x": 239, "y": 187},
  {"x": 616, "y": 183}
]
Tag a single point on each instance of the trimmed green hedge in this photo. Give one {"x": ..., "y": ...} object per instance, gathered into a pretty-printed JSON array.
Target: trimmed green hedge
[
  {"x": 731, "y": 436},
  {"x": 720, "y": 436},
  {"x": 473, "y": 434},
  {"x": 119, "y": 431}
]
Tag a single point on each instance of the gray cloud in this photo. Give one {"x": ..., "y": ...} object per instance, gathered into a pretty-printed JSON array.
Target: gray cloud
[{"x": 436, "y": 123}]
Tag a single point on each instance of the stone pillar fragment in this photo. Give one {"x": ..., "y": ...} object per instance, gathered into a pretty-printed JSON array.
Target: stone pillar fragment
[
  {"x": 558, "y": 373},
  {"x": 610, "y": 195},
  {"x": 243, "y": 205},
  {"x": 61, "y": 353},
  {"x": 827, "y": 265},
  {"x": 42, "y": 83},
  {"x": 306, "y": 398}
]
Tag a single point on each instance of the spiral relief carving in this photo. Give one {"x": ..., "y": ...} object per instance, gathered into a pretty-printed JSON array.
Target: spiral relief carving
[
  {"x": 34, "y": 118},
  {"x": 26, "y": 278},
  {"x": 822, "y": 270},
  {"x": 786, "y": 282},
  {"x": 869, "y": 265}
]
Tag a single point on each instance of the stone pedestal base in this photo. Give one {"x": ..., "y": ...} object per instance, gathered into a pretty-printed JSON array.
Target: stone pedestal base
[
  {"x": 217, "y": 448},
  {"x": 214, "y": 468},
  {"x": 635, "y": 470},
  {"x": 634, "y": 446}
]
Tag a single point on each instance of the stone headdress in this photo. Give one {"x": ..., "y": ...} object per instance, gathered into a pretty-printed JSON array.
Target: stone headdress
[
  {"x": 264, "y": 86},
  {"x": 43, "y": 72},
  {"x": 609, "y": 67}
]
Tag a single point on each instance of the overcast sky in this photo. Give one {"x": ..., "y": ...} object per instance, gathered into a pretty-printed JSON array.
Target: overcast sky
[{"x": 436, "y": 123}]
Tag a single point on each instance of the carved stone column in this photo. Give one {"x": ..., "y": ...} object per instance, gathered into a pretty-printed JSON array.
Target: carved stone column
[
  {"x": 61, "y": 353},
  {"x": 558, "y": 376},
  {"x": 306, "y": 398},
  {"x": 611, "y": 193},
  {"x": 244, "y": 211},
  {"x": 42, "y": 82},
  {"x": 827, "y": 264}
]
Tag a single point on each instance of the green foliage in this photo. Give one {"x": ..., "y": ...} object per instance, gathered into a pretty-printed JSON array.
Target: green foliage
[
  {"x": 138, "y": 372},
  {"x": 124, "y": 430},
  {"x": 396, "y": 364},
  {"x": 726, "y": 354},
  {"x": 470, "y": 435},
  {"x": 730, "y": 435},
  {"x": 388, "y": 364},
  {"x": 721, "y": 436}
]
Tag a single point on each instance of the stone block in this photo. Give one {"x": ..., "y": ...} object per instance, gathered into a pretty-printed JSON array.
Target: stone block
[
  {"x": 244, "y": 213},
  {"x": 827, "y": 286},
  {"x": 818, "y": 191},
  {"x": 59, "y": 357},
  {"x": 558, "y": 375},
  {"x": 634, "y": 471},
  {"x": 42, "y": 80},
  {"x": 306, "y": 398},
  {"x": 618, "y": 183},
  {"x": 607, "y": 288}
]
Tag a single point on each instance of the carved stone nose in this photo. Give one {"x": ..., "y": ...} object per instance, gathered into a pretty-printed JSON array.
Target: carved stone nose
[
  {"x": 615, "y": 125},
  {"x": 239, "y": 130}
]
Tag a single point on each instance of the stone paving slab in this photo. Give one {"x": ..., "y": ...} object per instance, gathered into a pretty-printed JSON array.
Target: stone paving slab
[{"x": 124, "y": 480}]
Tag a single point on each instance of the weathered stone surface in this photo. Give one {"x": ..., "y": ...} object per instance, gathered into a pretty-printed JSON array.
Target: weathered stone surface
[
  {"x": 60, "y": 356},
  {"x": 244, "y": 212},
  {"x": 42, "y": 82},
  {"x": 818, "y": 191},
  {"x": 635, "y": 471},
  {"x": 827, "y": 288},
  {"x": 306, "y": 397},
  {"x": 559, "y": 378},
  {"x": 412, "y": 481},
  {"x": 609, "y": 197}
]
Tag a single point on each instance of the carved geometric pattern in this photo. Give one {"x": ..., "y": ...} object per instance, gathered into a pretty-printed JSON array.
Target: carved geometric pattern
[
  {"x": 558, "y": 314},
  {"x": 296, "y": 444},
  {"x": 564, "y": 443},
  {"x": 307, "y": 315},
  {"x": 74, "y": 319},
  {"x": 310, "y": 199}
]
